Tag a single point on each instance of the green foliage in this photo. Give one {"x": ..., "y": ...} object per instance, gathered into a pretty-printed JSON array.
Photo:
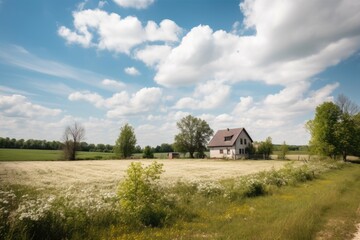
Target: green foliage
[
  {"x": 335, "y": 129},
  {"x": 148, "y": 153},
  {"x": 322, "y": 129},
  {"x": 266, "y": 148},
  {"x": 141, "y": 198},
  {"x": 284, "y": 149},
  {"x": 125, "y": 144},
  {"x": 194, "y": 135}
]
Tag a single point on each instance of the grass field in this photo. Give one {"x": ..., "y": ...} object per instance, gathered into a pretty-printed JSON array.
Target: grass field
[{"x": 46, "y": 155}]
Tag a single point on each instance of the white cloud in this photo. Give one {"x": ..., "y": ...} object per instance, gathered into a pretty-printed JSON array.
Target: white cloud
[
  {"x": 167, "y": 31},
  {"x": 152, "y": 55},
  {"x": 131, "y": 71},
  {"x": 113, "y": 84},
  {"x": 142, "y": 101},
  {"x": 286, "y": 48},
  {"x": 102, "y": 4},
  {"x": 277, "y": 114},
  {"x": 209, "y": 95},
  {"x": 244, "y": 105},
  {"x": 121, "y": 104},
  {"x": 138, "y": 4},
  {"x": 19, "y": 106},
  {"x": 108, "y": 31},
  {"x": 93, "y": 98}
]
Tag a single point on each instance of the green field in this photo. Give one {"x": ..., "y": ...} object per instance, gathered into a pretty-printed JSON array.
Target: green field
[{"x": 47, "y": 155}]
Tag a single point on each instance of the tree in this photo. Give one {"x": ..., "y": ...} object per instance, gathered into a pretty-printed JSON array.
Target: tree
[
  {"x": 125, "y": 144},
  {"x": 284, "y": 149},
  {"x": 335, "y": 129},
  {"x": 71, "y": 140},
  {"x": 346, "y": 105},
  {"x": 322, "y": 129},
  {"x": 148, "y": 153},
  {"x": 266, "y": 148},
  {"x": 194, "y": 135}
]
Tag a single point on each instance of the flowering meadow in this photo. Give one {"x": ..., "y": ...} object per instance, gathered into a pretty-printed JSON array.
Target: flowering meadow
[{"x": 79, "y": 212}]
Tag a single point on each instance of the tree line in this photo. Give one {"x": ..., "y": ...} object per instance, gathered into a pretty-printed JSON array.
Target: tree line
[{"x": 6, "y": 142}]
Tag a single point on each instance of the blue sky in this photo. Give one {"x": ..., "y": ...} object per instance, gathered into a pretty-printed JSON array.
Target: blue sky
[{"x": 262, "y": 65}]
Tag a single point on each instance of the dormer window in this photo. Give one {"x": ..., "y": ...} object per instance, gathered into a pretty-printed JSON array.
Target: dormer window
[{"x": 228, "y": 138}]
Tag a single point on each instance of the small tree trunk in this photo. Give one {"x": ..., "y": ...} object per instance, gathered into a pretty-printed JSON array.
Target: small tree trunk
[
  {"x": 191, "y": 154},
  {"x": 344, "y": 155}
]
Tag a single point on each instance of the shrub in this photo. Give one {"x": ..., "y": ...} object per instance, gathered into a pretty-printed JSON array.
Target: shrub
[
  {"x": 141, "y": 198},
  {"x": 148, "y": 152}
]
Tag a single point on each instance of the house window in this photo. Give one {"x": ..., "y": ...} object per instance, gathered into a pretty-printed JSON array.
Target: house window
[
  {"x": 241, "y": 142},
  {"x": 228, "y": 151},
  {"x": 245, "y": 141},
  {"x": 228, "y": 138},
  {"x": 221, "y": 151},
  {"x": 240, "y": 151}
]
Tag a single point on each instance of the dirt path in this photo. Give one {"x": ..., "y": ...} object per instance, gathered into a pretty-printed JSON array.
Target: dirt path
[{"x": 62, "y": 174}]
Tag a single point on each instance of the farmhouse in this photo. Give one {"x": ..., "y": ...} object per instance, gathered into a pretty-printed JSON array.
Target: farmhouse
[{"x": 230, "y": 143}]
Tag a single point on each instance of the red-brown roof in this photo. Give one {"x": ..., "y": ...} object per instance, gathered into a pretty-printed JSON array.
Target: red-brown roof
[{"x": 219, "y": 138}]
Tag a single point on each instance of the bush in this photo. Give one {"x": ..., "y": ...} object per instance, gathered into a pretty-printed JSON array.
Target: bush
[
  {"x": 148, "y": 152},
  {"x": 142, "y": 200}
]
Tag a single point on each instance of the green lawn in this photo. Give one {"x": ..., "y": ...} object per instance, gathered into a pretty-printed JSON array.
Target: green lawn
[{"x": 46, "y": 155}]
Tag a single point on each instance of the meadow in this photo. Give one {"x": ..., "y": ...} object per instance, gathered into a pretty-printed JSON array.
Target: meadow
[
  {"x": 47, "y": 155},
  {"x": 203, "y": 199}
]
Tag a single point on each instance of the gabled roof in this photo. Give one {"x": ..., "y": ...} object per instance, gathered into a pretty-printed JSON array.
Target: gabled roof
[{"x": 219, "y": 138}]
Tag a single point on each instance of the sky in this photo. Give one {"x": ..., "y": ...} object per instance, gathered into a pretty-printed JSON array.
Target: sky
[{"x": 258, "y": 64}]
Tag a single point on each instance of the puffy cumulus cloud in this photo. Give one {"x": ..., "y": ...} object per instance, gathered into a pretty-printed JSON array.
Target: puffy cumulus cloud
[
  {"x": 93, "y": 98},
  {"x": 142, "y": 101},
  {"x": 277, "y": 114},
  {"x": 167, "y": 31},
  {"x": 98, "y": 101},
  {"x": 286, "y": 47},
  {"x": 122, "y": 104},
  {"x": 108, "y": 31},
  {"x": 131, "y": 71},
  {"x": 113, "y": 84},
  {"x": 20, "y": 106},
  {"x": 206, "y": 96},
  {"x": 244, "y": 104},
  {"x": 152, "y": 55},
  {"x": 195, "y": 57},
  {"x": 138, "y": 4}
]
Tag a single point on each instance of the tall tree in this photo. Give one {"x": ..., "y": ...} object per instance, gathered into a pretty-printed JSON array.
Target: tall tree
[
  {"x": 335, "y": 129},
  {"x": 125, "y": 144},
  {"x": 73, "y": 135},
  {"x": 194, "y": 134},
  {"x": 322, "y": 129}
]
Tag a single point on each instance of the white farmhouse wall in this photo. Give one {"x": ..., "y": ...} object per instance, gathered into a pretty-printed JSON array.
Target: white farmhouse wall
[
  {"x": 215, "y": 152},
  {"x": 240, "y": 144}
]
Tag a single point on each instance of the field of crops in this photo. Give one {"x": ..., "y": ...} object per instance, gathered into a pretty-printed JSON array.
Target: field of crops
[{"x": 62, "y": 174}]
